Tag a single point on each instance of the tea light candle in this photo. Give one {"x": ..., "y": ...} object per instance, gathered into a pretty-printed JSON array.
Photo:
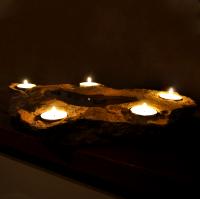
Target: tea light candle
[
  {"x": 26, "y": 85},
  {"x": 170, "y": 95},
  {"x": 89, "y": 83},
  {"x": 144, "y": 110},
  {"x": 54, "y": 114}
]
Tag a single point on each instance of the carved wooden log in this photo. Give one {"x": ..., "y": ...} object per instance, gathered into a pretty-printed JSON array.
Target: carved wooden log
[{"x": 95, "y": 113}]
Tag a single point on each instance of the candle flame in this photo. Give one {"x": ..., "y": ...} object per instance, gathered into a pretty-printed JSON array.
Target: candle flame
[
  {"x": 171, "y": 90},
  {"x": 89, "y": 79},
  {"x": 144, "y": 104},
  {"x": 53, "y": 109},
  {"x": 25, "y": 81}
]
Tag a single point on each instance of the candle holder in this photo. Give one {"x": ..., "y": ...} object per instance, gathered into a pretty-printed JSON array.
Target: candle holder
[{"x": 95, "y": 115}]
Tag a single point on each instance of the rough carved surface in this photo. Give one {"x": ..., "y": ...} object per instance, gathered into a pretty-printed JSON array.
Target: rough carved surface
[{"x": 95, "y": 112}]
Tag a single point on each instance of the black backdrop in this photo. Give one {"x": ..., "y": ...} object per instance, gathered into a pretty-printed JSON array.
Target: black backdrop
[{"x": 125, "y": 44}]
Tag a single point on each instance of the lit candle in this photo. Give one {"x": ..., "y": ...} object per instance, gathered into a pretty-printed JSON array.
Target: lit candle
[
  {"x": 54, "y": 114},
  {"x": 170, "y": 95},
  {"x": 144, "y": 110},
  {"x": 89, "y": 83},
  {"x": 26, "y": 85}
]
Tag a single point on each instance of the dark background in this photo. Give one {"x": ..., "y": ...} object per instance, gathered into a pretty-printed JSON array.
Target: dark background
[{"x": 124, "y": 44}]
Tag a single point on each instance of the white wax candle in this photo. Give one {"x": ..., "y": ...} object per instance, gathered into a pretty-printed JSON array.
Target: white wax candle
[
  {"x": 143, "y": 110},
  {"x": 54, "y": 114},
  {"x": 26, "y": 85},
  {"x": 89, "y": 83},
  {"x": 170, "y": 95}
]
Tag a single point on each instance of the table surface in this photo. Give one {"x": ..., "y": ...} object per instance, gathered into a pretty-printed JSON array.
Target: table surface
[{"x": 141, "y": 165}]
